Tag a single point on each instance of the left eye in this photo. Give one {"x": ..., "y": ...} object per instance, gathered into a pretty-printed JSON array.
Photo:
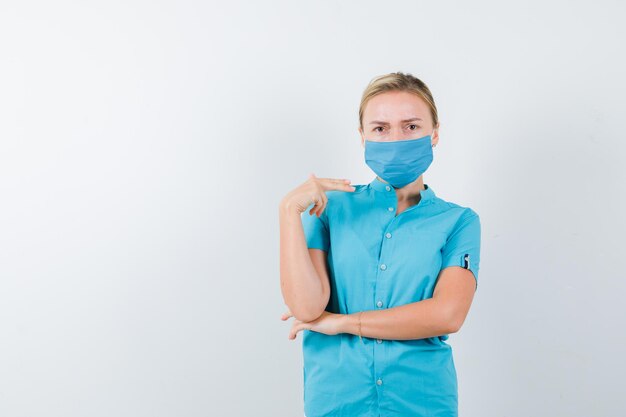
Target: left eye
[{"x": 413, "y": 125}]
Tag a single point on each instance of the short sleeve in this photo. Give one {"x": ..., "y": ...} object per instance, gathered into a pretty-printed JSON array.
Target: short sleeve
[
  {"x": 316, "y": 229},
  {"x": 462, "y": 247}
]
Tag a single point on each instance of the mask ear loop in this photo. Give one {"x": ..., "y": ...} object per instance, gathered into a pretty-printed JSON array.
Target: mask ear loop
[{"x": 431, "y": 135}]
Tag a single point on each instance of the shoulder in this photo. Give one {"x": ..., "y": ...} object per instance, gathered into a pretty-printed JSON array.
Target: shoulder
[
  {"x": 461, "y": 212},
  {"x": 460, "y": 222},
  {"x": 338, "y": 196},
  {"x": 340, "y": 200}
]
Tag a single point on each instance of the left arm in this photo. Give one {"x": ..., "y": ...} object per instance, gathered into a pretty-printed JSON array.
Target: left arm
[{"x": 444, "y": 313}]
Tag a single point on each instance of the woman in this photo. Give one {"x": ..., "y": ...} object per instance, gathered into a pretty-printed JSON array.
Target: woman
[{"x": 377, "y": 275}]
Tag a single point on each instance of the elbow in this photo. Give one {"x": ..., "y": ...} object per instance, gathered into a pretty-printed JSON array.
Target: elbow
[
  {"x": 452, "y": 327},
  {"x": 309, "y": 316},
  {"x": 307, "y": 310},
  {"x": 313, "y": 311},
  {"x": 306, "y": 314},
  {"x": 452, "y": 322}
]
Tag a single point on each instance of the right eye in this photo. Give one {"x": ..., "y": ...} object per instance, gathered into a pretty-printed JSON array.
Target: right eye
[{"x": 379, "y": 127}]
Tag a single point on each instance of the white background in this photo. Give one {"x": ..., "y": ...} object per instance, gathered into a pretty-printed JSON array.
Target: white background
[{"x": 144, "y": 147}]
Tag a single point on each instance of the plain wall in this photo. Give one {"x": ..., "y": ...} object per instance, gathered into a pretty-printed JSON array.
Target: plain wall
[{"x": 145, "y": 146}]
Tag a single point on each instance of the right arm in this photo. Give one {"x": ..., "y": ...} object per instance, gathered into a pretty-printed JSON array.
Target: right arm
[
  {"x": 303, "y": 272},
  {"x": 304, "y": 280}
]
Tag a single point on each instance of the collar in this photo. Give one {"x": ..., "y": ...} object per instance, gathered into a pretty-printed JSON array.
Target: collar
[{"x": 425, "y": 195}]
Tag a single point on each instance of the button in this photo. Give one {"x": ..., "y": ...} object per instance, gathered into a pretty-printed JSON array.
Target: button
[
  {"x": 390, "y": 209},
  {"x": 379, "y": 382},
  {"x": 379, "y": 341},
  {"x": 379, "y": 304},
  {"x": 388, "y": 235},
  {"x": 387, "y": 187},
  {"x": 383, "y": 267}
]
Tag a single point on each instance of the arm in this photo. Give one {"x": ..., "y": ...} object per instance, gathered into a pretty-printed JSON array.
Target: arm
[
  {"x": 444, "y": 313},
  {"x": 303, "y": 272}
]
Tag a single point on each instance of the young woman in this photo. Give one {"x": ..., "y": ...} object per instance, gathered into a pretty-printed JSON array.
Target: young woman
[{"x": 377, "y": 275}]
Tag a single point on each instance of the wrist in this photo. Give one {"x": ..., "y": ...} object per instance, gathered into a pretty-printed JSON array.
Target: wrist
[
  {"x": 351, "y": 323},
  {"x": 286, "y": 209}
]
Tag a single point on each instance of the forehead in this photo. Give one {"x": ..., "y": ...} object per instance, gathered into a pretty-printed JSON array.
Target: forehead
[{"x": 395, "y": 106}]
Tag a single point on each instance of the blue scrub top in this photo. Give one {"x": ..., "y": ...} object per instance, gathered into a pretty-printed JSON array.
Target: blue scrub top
[{"x": 378, "y": 260}]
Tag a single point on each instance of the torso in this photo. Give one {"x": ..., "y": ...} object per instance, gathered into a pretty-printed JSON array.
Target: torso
[{"x": 383, "y": 253}]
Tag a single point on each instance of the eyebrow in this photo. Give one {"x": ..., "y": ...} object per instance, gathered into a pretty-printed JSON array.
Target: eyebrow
[{"x": 377, "y": 122}]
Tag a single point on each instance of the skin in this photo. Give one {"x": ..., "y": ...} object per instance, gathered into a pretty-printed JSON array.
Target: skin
[
  {"x": 304, "y": 279},
  {"x": 304, "y": 272}
]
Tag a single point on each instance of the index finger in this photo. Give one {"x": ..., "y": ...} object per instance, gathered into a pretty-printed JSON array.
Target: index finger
[
  {"x": 340, "y": 180},
  {"x": 336, "y": 184}
]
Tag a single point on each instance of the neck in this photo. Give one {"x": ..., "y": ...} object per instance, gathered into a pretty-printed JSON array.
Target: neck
[{"x": 411, "y": 191}]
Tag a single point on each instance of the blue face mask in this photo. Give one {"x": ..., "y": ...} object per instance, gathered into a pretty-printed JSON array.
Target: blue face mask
[{"x": 399, "y": 162}]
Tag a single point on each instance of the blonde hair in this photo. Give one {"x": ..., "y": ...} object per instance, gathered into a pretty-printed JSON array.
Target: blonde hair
[{"x": 398, "y": 81}]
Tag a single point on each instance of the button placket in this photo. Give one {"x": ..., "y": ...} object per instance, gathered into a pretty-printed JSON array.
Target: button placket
[
  {"x": 391, "y": 203},
  {"x": 391, "y": 198}
]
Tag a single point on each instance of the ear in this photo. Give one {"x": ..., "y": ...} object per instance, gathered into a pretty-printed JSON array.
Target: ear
[
  {"x": 362, "y": 137},
  {"x": 435, "y": 137}
]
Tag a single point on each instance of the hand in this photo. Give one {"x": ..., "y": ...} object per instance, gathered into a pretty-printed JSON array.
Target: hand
[
  {"x": 328, "y": 323},
  {"x": 313, "y": 191}
]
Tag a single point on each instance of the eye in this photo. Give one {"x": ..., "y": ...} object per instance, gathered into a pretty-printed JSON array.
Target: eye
[
  {"x": 379, "y": 127},
  {"x": 416, "y": 127}
]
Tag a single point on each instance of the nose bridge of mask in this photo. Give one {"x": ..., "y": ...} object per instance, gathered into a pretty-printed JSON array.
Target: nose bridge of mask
[
  {"x": 399, "y": 143},
  {"x": 405, "y": 144}
]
